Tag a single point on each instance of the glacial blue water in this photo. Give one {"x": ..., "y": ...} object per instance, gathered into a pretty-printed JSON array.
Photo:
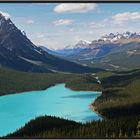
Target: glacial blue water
[{"x": 18, "y": 109}]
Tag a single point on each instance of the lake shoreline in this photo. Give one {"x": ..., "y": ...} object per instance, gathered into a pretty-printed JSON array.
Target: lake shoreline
[
  {"x": 49, "y": 87},
  {"x": 22, "y": 92},
  {"x": 49, "y": 102},
  {"x": 91, "y": 106}
]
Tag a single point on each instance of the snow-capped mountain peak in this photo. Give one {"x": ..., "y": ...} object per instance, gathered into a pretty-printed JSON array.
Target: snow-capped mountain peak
[
  {"x": 4, "y": 15},
  {"x": 114, "y": 37},
  {"x": 82, "y": 44}
]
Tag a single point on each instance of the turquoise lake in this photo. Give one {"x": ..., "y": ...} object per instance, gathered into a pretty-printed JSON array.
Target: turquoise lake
[{"x": 18, "y": 109}]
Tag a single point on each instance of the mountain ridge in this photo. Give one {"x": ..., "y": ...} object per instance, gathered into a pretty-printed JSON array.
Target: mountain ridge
[
  {"x": 100, "y": 52},
  {"x": 18, "y": 52}
]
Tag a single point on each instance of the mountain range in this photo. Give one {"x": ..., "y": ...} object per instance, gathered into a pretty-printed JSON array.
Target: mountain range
[
  {"x": 73, "y": 49},
  {"x": 18, "y": 52},
  {"x": 112, "y": 51}
]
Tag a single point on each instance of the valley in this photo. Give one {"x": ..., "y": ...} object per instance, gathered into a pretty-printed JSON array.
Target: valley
[
  {"x": 120, "y": 51},
  {"x": 120, "y": 97},
  {"x": 15, "y": 82},
  {"x": 90, "y": 89},
  {"x": 19, "y": 53},
  {"x": 54, "y": 101}
]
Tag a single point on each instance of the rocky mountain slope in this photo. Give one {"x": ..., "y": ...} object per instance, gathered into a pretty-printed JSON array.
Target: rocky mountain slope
[
  {"x": 113, "y": 51},
  {"x": 18, "y": 52}
]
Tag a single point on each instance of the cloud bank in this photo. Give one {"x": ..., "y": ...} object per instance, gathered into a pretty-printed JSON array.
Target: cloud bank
[
  {"x": 121, "y": 18},
  {"x": 75, "y": 8}
]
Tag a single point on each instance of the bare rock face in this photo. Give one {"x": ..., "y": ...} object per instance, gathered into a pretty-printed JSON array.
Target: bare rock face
[{"x": 18, "y": 52}]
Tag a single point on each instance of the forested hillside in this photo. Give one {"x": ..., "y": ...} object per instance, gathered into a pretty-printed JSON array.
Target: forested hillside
[
  {"x": 121, "y": 94},
  {"x": 12, "y": 81},
  {"x": 52, "y": 127},
  {"x": 119, "y": 105}
]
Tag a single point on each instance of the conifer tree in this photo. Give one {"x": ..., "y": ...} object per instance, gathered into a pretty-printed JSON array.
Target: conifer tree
[
  {"x": 120, "y": 133},
  {"x": 138, "y": 129}
]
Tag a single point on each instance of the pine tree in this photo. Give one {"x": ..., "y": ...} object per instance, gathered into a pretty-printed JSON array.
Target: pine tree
[
  {"x": 106, "y": 135},
  {"x": 138, "y": 129},
  {"x": 113, "y": 135},
  {"x": 120, "y": 133}
]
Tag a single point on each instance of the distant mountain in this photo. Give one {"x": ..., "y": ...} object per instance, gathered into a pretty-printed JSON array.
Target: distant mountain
[
  {"x": 18, "y": 52},
  {"x": 124, "y": 60},
  {"x": 119, "y": 36},
  {"x": 73, "y": 49},
  {"x": 101, "y": 53}
]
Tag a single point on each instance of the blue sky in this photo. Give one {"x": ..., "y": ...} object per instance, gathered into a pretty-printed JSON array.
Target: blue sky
[{"x": 56, "y": 25}]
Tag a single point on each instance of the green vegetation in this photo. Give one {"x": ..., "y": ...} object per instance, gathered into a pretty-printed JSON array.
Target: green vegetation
[
  {"x": 84, "y": 82},
  {"x": 41, "y": 124},
  {"x": 121, "y": 95},
  {"x": 52, "y": 127},
  {"x": 13, "y": 81},
  {"x": 106, "y": 74},
  {"x": 119, "y": 104},
  {"x": 138, "y": 129}
]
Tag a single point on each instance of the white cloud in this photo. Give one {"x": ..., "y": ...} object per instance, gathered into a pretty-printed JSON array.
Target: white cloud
[
  {"x": 75, "y": 8},
  {"x": 121, "y": 18},
  {"x": 63, "y": 22},
  {"x": 30, "y": 21},
  {"x": 6, "y": 15}
]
